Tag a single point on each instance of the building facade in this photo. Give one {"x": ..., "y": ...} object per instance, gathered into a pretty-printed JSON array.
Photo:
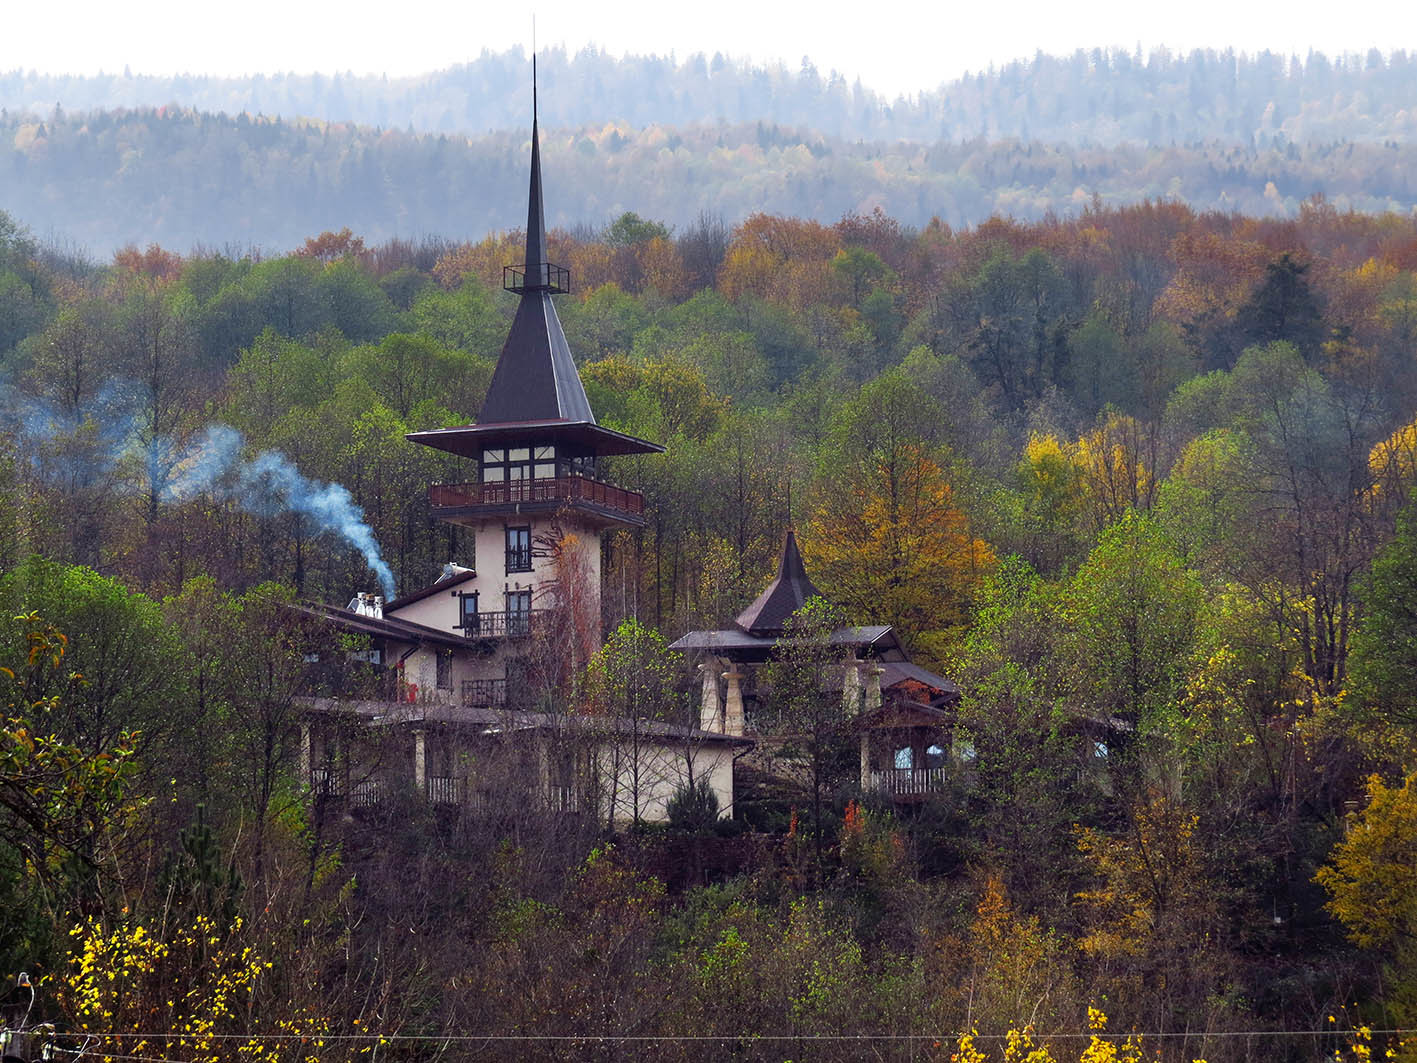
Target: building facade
[{"x": 472, "y": 671}]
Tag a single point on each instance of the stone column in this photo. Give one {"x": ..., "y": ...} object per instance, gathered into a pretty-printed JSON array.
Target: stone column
[
  {"x": 543, "y": 772},
  {"x": 306, "y": 755},
  {"x": 873, "y": 686},
  {"x": 420, "y": 762},
  {"x": 865, "y": 760},
  {"x": 733, "y": 702},
  {"x": 851, "y": 686},
  {"x": 710, "y": 711}
]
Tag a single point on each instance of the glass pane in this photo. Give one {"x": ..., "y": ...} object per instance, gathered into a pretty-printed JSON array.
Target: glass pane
[
  {"x": 519, "y": 454},
  {"x": 545, "y": 472},
  {"x": 905, "y": 758},
  {"x": 494, "y": 455},
  {"x": 545, "y": 453},
  {"x": 494, "y": 474},
  {"x": 518, "y": 472}
]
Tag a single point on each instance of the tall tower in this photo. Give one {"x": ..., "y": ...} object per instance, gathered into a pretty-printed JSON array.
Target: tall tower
[{"x": 538, "y": 451}]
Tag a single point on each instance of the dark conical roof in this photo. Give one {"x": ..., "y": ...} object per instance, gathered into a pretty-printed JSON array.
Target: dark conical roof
[
  {"x": 784, "y": 596},
  {"x": 535, "y": 378}
]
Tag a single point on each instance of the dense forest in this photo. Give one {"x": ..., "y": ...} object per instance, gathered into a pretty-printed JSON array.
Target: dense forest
[
  {"x": 1101, "y": 97},
  {"x": 1144, "y": 465},
  {"x": 101, "y": 180},
  {"x": 101, "y": 162}
]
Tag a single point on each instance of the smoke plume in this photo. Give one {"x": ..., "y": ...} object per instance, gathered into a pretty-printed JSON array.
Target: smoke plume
[{"x": 93, "y": 444}]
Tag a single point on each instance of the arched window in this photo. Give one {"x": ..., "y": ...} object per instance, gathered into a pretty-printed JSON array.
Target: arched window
[{"x": 904, "y": 758}]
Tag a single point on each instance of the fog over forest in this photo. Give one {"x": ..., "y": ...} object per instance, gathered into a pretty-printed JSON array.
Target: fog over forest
[{"x": 102, "y": 161}]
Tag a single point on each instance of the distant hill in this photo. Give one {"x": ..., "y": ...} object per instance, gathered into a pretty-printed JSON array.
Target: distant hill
[
  {"x": 1099, "y": 97},
  {"x": 180, "y": 177}
]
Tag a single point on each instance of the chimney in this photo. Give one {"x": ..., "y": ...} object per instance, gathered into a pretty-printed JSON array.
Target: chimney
[{"x": 366, "y": 604}]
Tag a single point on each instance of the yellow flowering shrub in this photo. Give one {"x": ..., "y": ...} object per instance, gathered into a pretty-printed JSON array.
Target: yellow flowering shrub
[{"x": 190, "y": 994}]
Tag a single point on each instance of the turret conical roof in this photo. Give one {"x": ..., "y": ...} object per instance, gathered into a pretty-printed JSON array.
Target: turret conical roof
[{"x": 785, "y": 594}]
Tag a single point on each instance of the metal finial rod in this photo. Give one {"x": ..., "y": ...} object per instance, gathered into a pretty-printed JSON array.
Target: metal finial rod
[{"x": 533, "y": 69}]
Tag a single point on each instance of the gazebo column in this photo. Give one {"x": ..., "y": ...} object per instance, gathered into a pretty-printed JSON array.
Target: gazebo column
[
  {"x": 865, "y": 760},
  {"x": 873, "y": 686},
  {"x": 420, "y": 761},
  {"x": 851, "y": 686},
  {"x": 733, "y": 701},
  {"x": 307, "y": 758},
  {"x": 710, "y": 710}
]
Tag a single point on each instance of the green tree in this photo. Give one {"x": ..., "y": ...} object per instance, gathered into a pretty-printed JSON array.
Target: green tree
[
  {"x": 1383, "y": 662},
  {"x": 631, "y": 679},
  {"x": 630, "y": 229},
  {"x": 804, "y": 700}
]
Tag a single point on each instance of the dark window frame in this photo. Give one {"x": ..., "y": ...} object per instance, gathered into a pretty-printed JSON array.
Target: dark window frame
[
  {"x": 519, "y": 556},
  {"x": 468, "y": 618}
]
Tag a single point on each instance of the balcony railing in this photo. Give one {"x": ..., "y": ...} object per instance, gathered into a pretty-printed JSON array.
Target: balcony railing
[
  {"x": 484, "y": 693},
  {"x": 536, "y": 276},
  {"x": 445, "y": 789},
  {"x": 517, "y": 623},
  {"x": 570, "y": 489},
  {"x": 909, "y": 782}
]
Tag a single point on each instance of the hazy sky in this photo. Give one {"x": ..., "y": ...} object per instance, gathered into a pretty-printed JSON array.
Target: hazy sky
[{"x": 900, "y": 47}]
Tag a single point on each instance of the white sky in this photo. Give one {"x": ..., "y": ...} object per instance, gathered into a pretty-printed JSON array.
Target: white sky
[{"x": 902, "y": 46}]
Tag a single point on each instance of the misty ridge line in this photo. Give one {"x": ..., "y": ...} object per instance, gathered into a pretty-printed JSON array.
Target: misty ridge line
[
  {"x": 586, "y": 89},
  {"x": 89, "y": 443}
]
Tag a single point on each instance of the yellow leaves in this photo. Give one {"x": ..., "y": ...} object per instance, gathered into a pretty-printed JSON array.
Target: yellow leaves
[
  {"x": 1393, "y": 464},
  {"x": 1116, "y": 468},
  {"x": 1150, "y": 881},
  {"x": 1372, "y": 876},
  {"x": 893, "y": 546}
]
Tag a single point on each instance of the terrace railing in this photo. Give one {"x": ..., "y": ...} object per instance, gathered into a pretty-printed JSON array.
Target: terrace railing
[
  {"x": 568, "y": 489},
  {"x": 909, "y": 782}
]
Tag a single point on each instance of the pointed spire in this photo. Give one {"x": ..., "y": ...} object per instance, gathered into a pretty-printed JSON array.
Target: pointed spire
[
  {"x": 784, "y": 596},
  {"x": 535, "y": 214}
]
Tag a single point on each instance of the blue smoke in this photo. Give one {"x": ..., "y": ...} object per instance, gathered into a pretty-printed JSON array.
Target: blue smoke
[{"x": 89, "y": 446}]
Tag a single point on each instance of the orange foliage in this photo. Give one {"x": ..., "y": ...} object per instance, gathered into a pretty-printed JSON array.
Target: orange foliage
[
  {"x": 483, "y": 260},
  {"x": 156, "y": 262},
  {"x": 894, "y": 548},
  {"x": 784, "y": 260},
  {"x": 1214, "y": 276},
  {"x": 333, "y": 246}
]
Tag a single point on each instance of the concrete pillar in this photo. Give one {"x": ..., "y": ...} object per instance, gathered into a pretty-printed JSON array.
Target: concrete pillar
[
  {"x": 873, "y": 686},
  {"x": 420, "y": 762},
  {"x": 865, "y": 760},
  {"x": 307, "y": 758},
  {"x": 710, "y": 711},
  {"x": 733, "y": 702},
  {"x": 851, "y": 686},
  {"x": 543, "y": 771}
]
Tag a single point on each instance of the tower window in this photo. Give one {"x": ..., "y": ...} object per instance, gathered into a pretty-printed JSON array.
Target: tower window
[{"x": 519, "y": 549}]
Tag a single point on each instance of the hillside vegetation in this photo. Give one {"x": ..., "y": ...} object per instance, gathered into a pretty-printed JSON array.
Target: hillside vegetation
[{"x": 1145, "y": 469}]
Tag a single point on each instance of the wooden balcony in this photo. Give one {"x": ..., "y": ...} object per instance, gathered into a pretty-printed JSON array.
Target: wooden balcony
[{"x": 451, "y": 501}]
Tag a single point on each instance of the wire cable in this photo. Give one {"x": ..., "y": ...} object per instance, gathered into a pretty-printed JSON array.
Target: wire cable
[{"x": 1103, "y": 1035}]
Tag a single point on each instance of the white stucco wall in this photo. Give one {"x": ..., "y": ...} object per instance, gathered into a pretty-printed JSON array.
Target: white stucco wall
[{"x": 663, "y": 769}]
